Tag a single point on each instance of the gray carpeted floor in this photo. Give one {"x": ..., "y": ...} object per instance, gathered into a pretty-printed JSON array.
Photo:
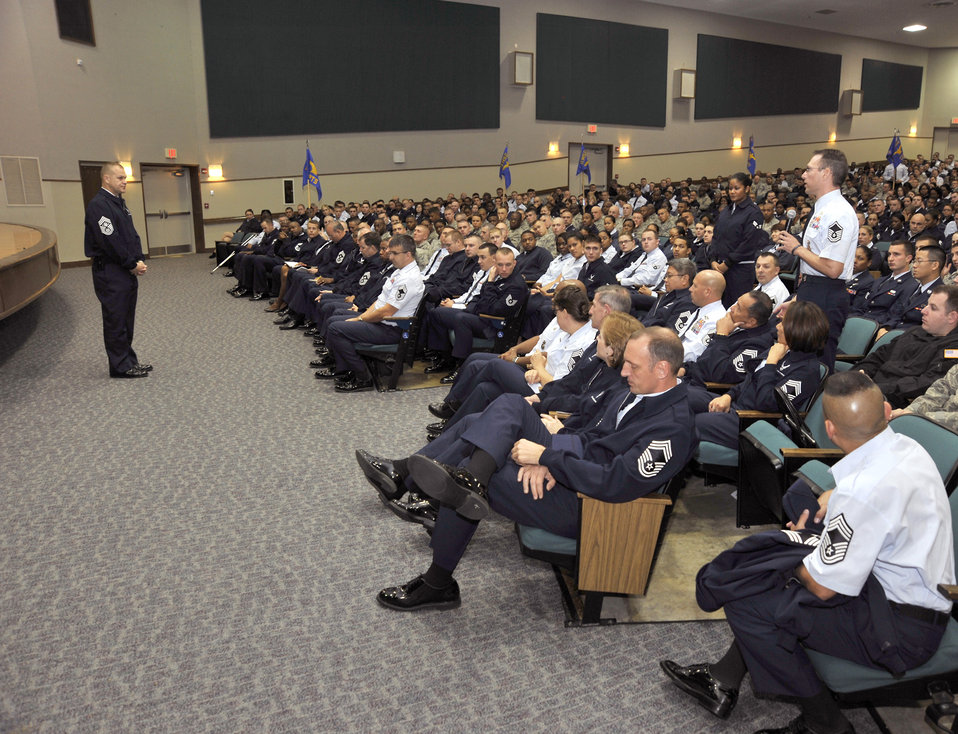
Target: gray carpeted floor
[{"x": 197, "y": 551}]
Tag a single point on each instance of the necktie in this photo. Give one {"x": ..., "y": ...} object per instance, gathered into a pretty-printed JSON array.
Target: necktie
[{"x": 625, "y": 407}]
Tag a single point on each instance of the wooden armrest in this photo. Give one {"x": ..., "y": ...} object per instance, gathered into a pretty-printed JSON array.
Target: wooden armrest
[
  {"x": 713, "y": 386},
  {"x": 849, "y": 357},
  {"x": 757, "y": 415},
  {"x": 949, "y": 591},
  {"x": 490, "y": 316},
  {"x": 821, "y": 454},
  {"x": 561, "y": 415}
]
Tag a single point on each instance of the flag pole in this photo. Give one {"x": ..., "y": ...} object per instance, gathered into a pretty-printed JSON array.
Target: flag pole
[{"x": 309, "y": 194}]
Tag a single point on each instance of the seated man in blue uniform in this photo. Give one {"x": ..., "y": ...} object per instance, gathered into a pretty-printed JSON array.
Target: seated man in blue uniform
[
  {"x": 506, "y": 459},
  {"x": 864, "y": 587}
]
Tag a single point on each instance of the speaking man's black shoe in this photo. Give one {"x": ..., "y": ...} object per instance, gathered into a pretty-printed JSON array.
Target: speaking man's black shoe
[
  {"x": 452, "y": 486},
  {"x": 144, "y": 367},
  {"x": 697, "y": 681},
  {"x": 131, "y": 373},
  {"x": 382, "y": 474},
  {"x": 417, "y": 594}
]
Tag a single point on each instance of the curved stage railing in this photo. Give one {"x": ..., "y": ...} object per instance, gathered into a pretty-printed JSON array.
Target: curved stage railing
[{"x": 29, "y": 265}]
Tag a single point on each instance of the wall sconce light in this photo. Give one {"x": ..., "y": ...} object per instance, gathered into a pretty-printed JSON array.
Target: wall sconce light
[
  {"x": 623, "y": 149},
  {"x": 553, "y": 148},
  {"x": 736, "y": 142},
  {"x": 832, "y": 137},
  {"x": 127, "y": 168},
  {"x": 216, "y": 171},
  {"x": 913, "y": 131}
]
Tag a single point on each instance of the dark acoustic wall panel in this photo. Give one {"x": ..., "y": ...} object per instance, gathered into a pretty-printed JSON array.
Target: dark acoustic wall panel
[
  {"x": 747, "y": 79},
  {"x": 300, "y": 67},
  {"x": 888, "y": 86},
  {"x": 596, "y": 71}
]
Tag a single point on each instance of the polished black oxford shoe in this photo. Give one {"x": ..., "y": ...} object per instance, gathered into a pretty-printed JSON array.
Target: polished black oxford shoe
[
  {"x": 329, "y": 373},
  {"x": 131, "y": 373},
  {"x": 325, "y": 360},
  {"x": 417, "y": 594},
  {"x": 144, "y": 367},
  {"x": 444, "y": 410},
  {"x": 283, "y": 319},
  {"x": 697, "y": 681},
  {"x": 354, "y": 385},
  {"x": 240, "y": 292},
  {"x": 436, "y": 428},
  {"x": 450, "y": 485},
  {"x": 382, "y": 474},
  {"x": 441, "y": 364},
  {"x": 291, "y": 324},
  {"x": 258, "y": 297},
  {"x": 416, "y": 508},
  {"x": 450, "y": 378}
]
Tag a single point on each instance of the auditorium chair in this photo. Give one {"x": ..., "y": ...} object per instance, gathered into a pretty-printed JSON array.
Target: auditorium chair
[{"x": 391, "y": 358}]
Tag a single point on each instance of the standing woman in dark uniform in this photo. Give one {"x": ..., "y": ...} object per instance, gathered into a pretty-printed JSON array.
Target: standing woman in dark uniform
[
  {"x": 112, "y": 242},
  {"x": 738, "y": 238}
]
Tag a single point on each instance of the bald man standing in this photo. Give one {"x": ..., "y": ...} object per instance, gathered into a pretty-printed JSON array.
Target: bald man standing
[
  {"x": 111, "y": 242},
  {"x": 865, "y": 584}
]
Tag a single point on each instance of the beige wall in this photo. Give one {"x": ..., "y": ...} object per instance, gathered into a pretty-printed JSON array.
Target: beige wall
[{"x": 142, "y": 89}]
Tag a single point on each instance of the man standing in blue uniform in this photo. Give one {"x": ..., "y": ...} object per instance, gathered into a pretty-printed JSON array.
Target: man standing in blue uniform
[
  {"x": 865, "y": 588},
  {"x": 114, "y": 246},
  {"x": 827, "y": 249},
  {"x": 505, "y": 458}
]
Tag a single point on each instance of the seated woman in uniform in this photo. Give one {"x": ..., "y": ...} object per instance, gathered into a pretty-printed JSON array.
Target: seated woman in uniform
[{"x": 791, "y": 363}]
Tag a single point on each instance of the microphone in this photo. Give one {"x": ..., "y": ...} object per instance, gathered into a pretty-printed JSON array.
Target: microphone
[{"x": 790, "y": 215}]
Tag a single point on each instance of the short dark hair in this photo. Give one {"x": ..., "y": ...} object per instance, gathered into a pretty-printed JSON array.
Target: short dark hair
[
  {"x": 773, "y": 255},
  {"x": 805, "y": 327},
  {"x": 372, "y": 239},
  {"x": 836, "y": 162},
  {"x": 935, "y": 253},
  {"x": 760, "y": 308},
  {"x": 489, "y": 247},
  {"x": 742, "y": 177},
  {"x": 951, "y": 295},
  {"x": 404, "y": 242},
  {"x": 909, "y": 246}
]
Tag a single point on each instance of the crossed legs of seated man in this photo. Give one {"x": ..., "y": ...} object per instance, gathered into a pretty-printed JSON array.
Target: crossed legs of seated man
[{"x": 470, "y": 470}]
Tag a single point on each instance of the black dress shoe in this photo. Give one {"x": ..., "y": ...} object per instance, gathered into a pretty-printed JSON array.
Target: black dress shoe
[
  {"x": 354, "y": 385},
  {"x": 444, "y": 410},
  {"x": 284, "y": 319},
  {"x": 228, "y": 274},
  {"x": 328, "y": 373},
  {"x": 319, "y": 341},
  {"x": 436, "y": 428},
  {"x": 439, "y": 365},
  {"x": 144, "y": 367},
  {"x": 800, "y": 726},
  {"x": 697, "y": 681},
  {"x": 326, "y": 360},
  {"x": 311, "y": 331},
  {"x": 240, "y": 292},
  {"x": 322, "y": 351},
  {"x": 258, "y": 297},
  {"x": 382, "y": 474},
  {"x": 452, "y": 486},
  {"x": 450, "y": 378},
  {"x": 417, "y": 594},
  {"x": 416, "y": 508},
  {"x": 291, "y": 324},
  {"x": 130, "y": 373}
]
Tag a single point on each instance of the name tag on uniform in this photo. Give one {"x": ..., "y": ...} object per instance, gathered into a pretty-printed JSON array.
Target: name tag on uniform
[{"x": 951, "y": 354}]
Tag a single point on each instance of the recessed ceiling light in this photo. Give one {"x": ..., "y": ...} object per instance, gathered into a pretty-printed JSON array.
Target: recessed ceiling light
[{"x": 915, "y": 28}]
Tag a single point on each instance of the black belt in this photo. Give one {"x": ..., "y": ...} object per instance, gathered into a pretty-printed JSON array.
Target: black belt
[{"x": 922, "y": 614}]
